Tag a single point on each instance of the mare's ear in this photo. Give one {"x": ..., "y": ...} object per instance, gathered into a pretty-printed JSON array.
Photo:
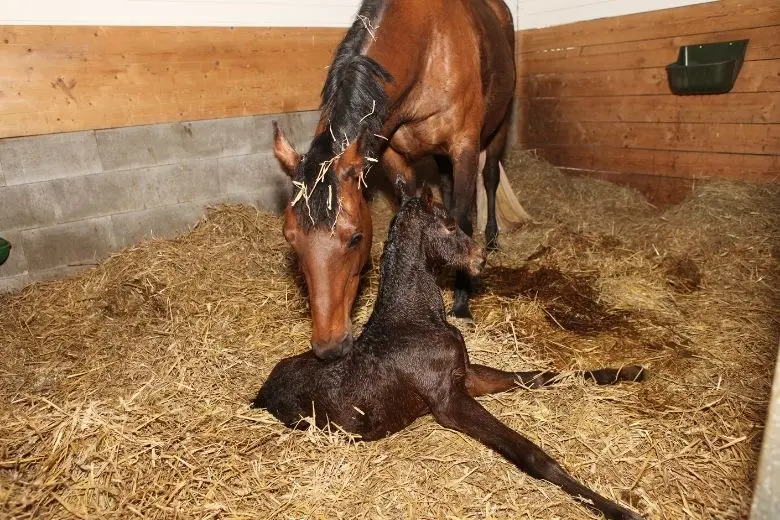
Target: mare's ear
[
  {"x": 427, "y": 196},
  {"x": 285, "y": 153},
  {"x": 350, "y": 163}
]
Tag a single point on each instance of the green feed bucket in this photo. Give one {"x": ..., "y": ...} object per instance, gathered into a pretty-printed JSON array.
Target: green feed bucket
[{"x": 5, "y": 250}]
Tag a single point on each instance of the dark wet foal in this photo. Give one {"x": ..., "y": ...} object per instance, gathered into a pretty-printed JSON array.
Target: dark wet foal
[{"x": 409, "y": 361}]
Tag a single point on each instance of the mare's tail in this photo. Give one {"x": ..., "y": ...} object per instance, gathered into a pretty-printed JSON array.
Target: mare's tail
[{"x": 510, "y": 214}]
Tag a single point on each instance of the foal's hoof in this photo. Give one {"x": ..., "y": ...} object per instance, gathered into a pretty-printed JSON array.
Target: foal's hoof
[{"x": 634, "y": 373}]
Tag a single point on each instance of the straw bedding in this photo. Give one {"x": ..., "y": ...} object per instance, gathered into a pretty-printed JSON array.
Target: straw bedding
[{"x": 125, "y": 390}]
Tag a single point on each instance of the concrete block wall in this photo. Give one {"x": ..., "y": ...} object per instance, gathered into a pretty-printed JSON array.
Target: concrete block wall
[{"x": 69, "y": 200}]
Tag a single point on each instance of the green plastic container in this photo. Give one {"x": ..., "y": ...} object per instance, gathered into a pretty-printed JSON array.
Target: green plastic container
[
  {"x": 709, "y": 68},
  {"x": 5, "y": 250}
]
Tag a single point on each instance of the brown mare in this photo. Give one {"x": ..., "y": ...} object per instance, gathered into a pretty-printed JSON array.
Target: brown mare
[
  {"x": 409, "y": 361},
  {"x": 410, "y": 79}
]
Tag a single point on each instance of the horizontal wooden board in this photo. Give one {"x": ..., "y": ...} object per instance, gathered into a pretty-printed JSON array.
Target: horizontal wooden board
[
  {"x": 753, "y": 107},
  {"x": 756, "y": 76},
  {"x": 58, "y": 79},
  {"x": 699, "y": 165},
  {"x": 764, "y": 44},
  {"x": 723, "y": 15},
  {"x": 691, "y": 137}
]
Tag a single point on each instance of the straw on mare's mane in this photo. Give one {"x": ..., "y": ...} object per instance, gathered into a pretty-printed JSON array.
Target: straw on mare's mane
[{"x": 354, "y": 102}]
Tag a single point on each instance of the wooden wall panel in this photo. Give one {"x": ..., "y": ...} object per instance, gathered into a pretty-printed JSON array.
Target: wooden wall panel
[
  {"x": 723, "y": 15},
  {"x": 66, "y": 78},
  {"x": 594, "y": 97}
]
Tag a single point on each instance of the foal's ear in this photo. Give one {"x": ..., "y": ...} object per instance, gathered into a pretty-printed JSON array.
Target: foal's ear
[
  {"x": 427, "y": 196},
  {"x": 285, "y": 153}
]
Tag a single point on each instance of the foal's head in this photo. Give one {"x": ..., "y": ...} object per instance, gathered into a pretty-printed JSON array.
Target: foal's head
[
  {"x": 427, "y": 223},
  {"x": 328, "y": 224}
]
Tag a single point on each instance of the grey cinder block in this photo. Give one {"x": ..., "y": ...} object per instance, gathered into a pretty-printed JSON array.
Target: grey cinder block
[
  {"x": 139, "y": 146},
  {"x": 249, "y": 173},
  {"x": 270, "y": 199},
  {"x": 44, "y": 157},
  {"x": 67, "y": 200},
  {"x": 13, "y": 283},
  {"x": 78, "y": 243},
  {"x": 17, "y": 211},
  {"x": 164, "y": 222},
  {"x": 299, "y": 128},
  {"x": 17, "y": 261}
]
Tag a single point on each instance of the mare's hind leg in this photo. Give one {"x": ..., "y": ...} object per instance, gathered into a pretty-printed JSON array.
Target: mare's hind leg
[
  {"x": 465, "y": 161},
  {"x": 482, "y": 380},
  {"x": 491, "y": 175},
  {"x": 461, "y": 412}
]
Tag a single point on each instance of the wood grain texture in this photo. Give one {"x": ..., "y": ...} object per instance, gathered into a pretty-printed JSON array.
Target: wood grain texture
[
  {"x": 723, "y": 15},
  {"x": 659, "y": 52},
  {"x": 756, "y": 76},
  {"x": 695, "y": 165},
  {"x": 684, "y": 137},
  {"x": 65, "y": 78},
  {"x": 748, "y": 107},
  {"x": 594, "y": 96}
]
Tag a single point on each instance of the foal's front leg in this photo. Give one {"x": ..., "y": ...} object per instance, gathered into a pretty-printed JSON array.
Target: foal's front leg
[
  {"x": 482, "y": 380},
  {"x": 461, "y": 412}
]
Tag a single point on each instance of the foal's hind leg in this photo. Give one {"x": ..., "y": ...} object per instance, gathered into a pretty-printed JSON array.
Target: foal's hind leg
[
  {"x": 482, "y": 380},
  {"x": 461, "y": 412}
]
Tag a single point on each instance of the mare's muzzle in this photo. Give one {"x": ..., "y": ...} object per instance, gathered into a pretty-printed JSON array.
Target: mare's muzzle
[{"x": 330, "y": 350}]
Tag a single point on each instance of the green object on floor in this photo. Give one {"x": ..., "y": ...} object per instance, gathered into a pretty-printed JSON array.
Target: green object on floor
[{"x": 5, "y": 250}]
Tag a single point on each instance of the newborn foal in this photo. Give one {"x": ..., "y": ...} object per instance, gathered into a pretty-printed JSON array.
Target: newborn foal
[{"x": 409, "y": 361}]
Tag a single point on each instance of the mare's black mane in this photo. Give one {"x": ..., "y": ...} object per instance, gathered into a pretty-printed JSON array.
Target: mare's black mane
[{"x": 354, "y": 102}]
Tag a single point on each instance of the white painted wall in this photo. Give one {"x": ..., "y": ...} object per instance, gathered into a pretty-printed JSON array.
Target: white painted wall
[{"x": 281, "y": 13}]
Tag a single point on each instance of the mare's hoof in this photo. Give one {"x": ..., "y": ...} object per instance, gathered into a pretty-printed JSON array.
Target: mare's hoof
[
  {"x": 491, "y": 242},
  {"x": 461, "y": 312}
]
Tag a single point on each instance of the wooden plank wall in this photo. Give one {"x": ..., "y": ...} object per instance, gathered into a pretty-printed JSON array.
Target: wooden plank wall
[
  {"x": 66, "y": 78},
  {"x": 593, "y": 98}
]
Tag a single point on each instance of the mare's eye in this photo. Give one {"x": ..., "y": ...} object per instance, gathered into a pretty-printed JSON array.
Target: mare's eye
[{"x": 354, "y": 240}]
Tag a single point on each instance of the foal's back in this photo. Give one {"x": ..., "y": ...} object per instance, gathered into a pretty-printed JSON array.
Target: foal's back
[{"x": 373, "y": 390}]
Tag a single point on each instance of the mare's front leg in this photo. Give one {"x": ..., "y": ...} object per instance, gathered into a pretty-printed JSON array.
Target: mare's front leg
[
  {"x": 397, "y": 169},
  {"x": 461, "y": 412},
  {"x": 465, "y": 161},
  {"x": 482, "y": 380}
]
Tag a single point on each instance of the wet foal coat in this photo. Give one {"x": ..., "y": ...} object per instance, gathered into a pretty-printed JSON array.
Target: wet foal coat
[{"x": 409, "y": 361}]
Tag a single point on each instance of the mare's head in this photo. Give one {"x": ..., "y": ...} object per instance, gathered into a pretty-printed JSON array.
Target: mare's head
[
  {"x": 426, "y": 224},
  {"x": 328, "y": 224}
]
